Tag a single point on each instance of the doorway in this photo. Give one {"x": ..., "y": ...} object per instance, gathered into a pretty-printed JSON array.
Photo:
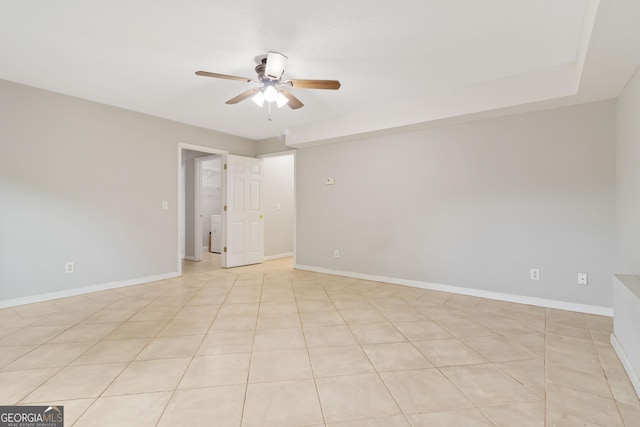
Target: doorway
[
  {"x": 190, "y": 240},
  {"x": 241, "y": 199}
]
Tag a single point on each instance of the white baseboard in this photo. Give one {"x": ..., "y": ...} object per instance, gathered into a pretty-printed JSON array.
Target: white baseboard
[
  {"x": 520, "y": 299},
  {"x": 272, "y": 257},
  {"x": 205, "y": 249},
  {"x": 190, "y": 258},
  {"x": 626, "y": 363},
  {"x": 84, "y": 290}
]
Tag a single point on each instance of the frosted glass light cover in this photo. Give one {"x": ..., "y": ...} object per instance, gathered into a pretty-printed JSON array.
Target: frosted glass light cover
[
  {"x": 258, "y": 98},
  {"x": 281, "y": 100},
  {"x": 270, "y": 94}
]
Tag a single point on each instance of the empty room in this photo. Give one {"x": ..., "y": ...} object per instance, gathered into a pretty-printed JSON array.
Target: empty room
[{"x": 332, "y": 213}]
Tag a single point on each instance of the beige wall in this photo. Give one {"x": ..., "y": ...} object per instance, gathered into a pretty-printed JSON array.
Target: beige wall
[
  {"x": 84, "y": 182},
  {"x": 278, "y": 190},
  {"x": 628, "y": 178},
  {"x": 474, "y": 205}
]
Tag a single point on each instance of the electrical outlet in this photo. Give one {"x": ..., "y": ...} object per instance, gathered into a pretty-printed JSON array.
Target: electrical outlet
[
  {"x": 69, "y": 268},
  {"x": 336, "y": 253},
  {"x": 582, "y": 279},
  {"x": 330, "y": 181},
  {"x": 535, "y": 274}
]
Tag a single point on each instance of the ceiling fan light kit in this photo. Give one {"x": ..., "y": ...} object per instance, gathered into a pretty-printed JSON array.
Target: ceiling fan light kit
[{"x": 273, "y": 89}]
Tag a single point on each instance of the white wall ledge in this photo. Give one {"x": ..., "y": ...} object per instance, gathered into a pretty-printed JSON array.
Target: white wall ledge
[{"x": 626, "y": 321}]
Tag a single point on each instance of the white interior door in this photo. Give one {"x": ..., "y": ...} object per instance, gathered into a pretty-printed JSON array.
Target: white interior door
[{"x": 244, "y": 227}]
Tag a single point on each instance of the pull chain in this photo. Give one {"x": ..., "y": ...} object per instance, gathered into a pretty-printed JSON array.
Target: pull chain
[{"x": 269, "y": 111}]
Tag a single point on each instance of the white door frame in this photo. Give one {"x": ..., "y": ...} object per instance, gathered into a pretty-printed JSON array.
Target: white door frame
[{"x": 181, "y": 195}]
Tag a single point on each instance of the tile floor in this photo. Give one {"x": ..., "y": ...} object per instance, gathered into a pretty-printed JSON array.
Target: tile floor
[{"x": 266, "y": 345}]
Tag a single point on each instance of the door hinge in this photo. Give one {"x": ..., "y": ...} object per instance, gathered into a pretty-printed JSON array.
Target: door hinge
[
  {"x": 225, "y": 166},
  {"x": 225, "y": 208},
  {"x": 225, "y": 249}
]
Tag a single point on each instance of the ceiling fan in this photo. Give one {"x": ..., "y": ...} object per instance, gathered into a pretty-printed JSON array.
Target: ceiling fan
[{"x": 273, "y": 88}]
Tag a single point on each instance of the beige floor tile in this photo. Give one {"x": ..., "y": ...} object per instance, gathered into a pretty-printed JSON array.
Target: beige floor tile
[
  {"x": 238, "y": 322},
  {"x": 227, "y": 342},
  {"x": 343, "y": 360},
  {"x": 248, "y": 309},
  {"x": 622, "y": 389},
  {"x": 287, "y": 403},
  {"x": 395, "y": 356},
  {"x": 510, "y": 325},
  {"x": 144, "y": 329},
  {"x": 568, "y": 331},
  {"x": 402, "y": 313},
  {"x": 630, "y": 414},
  {"x": 111, "y": 315},
  {"x": 279, "y": 321},
  {"x": 498, "y": 349},
  {"x": 572, "y": 352},
  {"x": 376, "y": 333},
  {"x": 148, "y": 376},
  {"x": 215, "y": 370},
  {"x": 449, "y": 352},
  {"x": 534, "y": 342},
  {"x": 329, "y": 336},
  {"x": 395, "y": 421},
  {"x": 14, "y": 385},
  {"x": 321, "y": 318},
  {"x": 487, "y": 385},
  {"x": 493, "y": 306},
  {"x": 465, "y": 302},
  {"x": 85, "y": 333},
  {"x": 181, "y": 327},
  {"x": 154, "y": 313},
  {"x": 50, "y": 356},
  {"x": 565, "y": 403},
  {"x": 355, "y": 397},
  {"x": 280, "y": 365},
  {"x": 358, "y": 317},
  {"x": 424, "y": 390},
  {"x": 566, "y": 318},
  {"x": 278, "y": 339},
  {"x": 311, "y": 306},
  {"x": 530, "y": 414},
  {"x": 140, "y": 410},
  {"x": 219, "y": 406},
  {"x": 9, "y": 354},
  {"x": 589, "y": 382},
  {"x": 77, "y": 382},
  {"x": 171, "y": 347},
  {"x": 277, "y": 307},
  {"x": 32, "y": 335},
  {"x": 599, "y": 323},
  {"x": 531, "y": 373},
  {"x": 73, "y": 409},
  {"x": 460, "y": 417},
  {"x": 462, "y": 328},
  {"x": 112, "y": 351},
  {"x": 199, "y": 310},
  {"x": 422, "y": 330}
]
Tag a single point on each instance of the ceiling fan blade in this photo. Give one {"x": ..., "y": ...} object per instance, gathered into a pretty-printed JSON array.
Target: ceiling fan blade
[
  {"x": 294, "y": 103},
  {"x": 275, "y": 65},
  {"x": 243, "y": 96},
  {"x": 314, "y": 84},
  {"x": 223, "y": 76}
]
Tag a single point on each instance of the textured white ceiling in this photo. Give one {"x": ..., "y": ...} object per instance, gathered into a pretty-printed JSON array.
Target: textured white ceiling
[{"x": 400, "y": 62}]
